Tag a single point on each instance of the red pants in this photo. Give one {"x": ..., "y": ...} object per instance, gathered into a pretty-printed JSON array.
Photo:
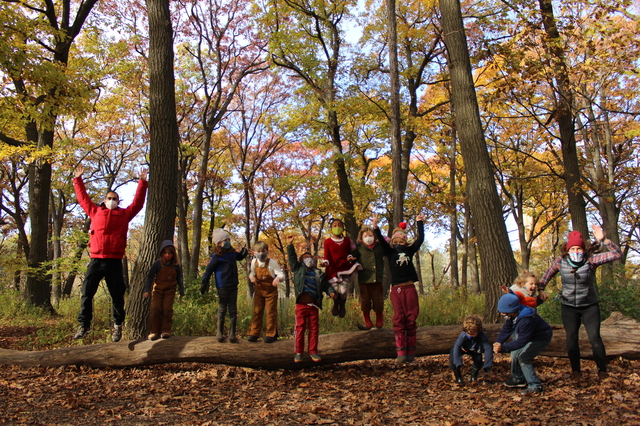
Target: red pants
[
  {"x": 404, "y": 299},
  {"x": 307, "y": 316}
]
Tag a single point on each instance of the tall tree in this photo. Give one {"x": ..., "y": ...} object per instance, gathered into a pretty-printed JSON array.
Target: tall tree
[
  {"x": 53, "y": 27},
  {"x": 162, "y": 199},
  {"x": 497, "y": 261}
]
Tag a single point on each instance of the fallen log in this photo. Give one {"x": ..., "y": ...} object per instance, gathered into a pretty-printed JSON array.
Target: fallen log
[{"x": 621, "y": 336}]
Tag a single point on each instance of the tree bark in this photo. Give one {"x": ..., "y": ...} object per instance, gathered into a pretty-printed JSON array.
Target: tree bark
[
  {"x": 621, "y": 337},
  {"x": 497, "y": 262},
  {"x": 160, "y": 215}
]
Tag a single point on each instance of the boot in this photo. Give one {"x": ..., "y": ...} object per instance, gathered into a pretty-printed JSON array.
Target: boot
[
  {"x": 411, "y": 348},
  {"x": 401, "y": 343},
  {"x": 232, "y": 330},
  {"x": 458, "y": 375},
  {"x": 474, "y": 374},
  {"x": 379, "y": 320},
  {"x": 336, "y": 305},
  {"x": 220, "y": 335},
  {"x": 342, "y": 308},
  {"x": 368, "y": 325}
]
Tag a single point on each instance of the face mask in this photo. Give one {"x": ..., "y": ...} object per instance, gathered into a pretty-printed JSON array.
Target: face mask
[
  {"x": 576, "y": 256},
  {"x": 399, "y": 247},
  {"x": 111, "y": 204},
  {"x": 506, "y": 317},
  {"x": 337, "y": 230},
  {"x": 261, "y": 256},
  {"x": 226, "y": 245},
  {"x": 309, "y": 262},
  {"x": 368, "y": 240}
]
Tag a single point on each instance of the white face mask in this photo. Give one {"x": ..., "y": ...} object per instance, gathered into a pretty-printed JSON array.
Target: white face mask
[
  {"x": 111, "y": 204},
  {"x": 368, "y": 240}
]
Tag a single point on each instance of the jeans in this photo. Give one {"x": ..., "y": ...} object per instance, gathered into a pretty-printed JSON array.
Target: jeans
[
  {"x": 111, "y": 271},
  {"x": 590, "y": 316},
  {"x": 522, "y": 363}
]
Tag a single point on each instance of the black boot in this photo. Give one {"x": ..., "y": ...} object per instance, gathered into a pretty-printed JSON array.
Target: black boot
[
  {"x": 220, "y": 335},
  {"x": 336, "y": 305},
  {"x": 458, "y": 375},
  {"x": 474, "y": 374},
  {"x": 232, "y": 331}
]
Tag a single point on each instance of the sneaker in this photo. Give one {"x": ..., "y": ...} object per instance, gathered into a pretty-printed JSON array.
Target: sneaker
[
  {"x": 252, "y": 339},
  {"x": 512, "y": 383},
  {"x": 532, "y": 391},
  {"x": 117, "y": 333},
  {"x": 315, "y": 357},
  {"x": 270, "y": 339},
  {"x": 82, "y": 331},
  {"x": 297, "y": 358},
  {"x": 165, "y": 335},
  {"x": 401, "y": 359},
  {"x": 153, "y": 336}
]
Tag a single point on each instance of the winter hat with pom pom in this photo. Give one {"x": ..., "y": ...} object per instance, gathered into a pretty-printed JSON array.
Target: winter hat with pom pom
[{"x": 400, "y": 232}]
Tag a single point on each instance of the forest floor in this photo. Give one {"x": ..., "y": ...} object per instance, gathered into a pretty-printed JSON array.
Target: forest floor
[{"x": 354, "y": 393}]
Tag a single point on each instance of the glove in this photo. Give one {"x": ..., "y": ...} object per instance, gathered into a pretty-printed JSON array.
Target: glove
[{"x": 204, "y": 287}]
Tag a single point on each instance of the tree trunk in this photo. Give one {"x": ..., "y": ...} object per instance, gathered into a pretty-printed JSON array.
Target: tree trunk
[
  {"x": 162, "y": 198},
  {"x": 453, "y": 218},
  {"x": 497, "y": 261},
  {"x": 621, "y": 337},
  {"x": 563, "y": 115}
]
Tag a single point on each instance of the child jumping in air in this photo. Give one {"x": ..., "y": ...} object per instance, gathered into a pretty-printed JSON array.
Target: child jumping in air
[
  {"x": 266, "y": 275},
  {"x": 403, "y": 294},
  {"x": 339, "y": 265},
  {"x": 370, "y": 255},
  {"x": 166, "y": 276},
  {"x": 525, "y": 286},
  {"x": 473, "y": 341},
  {"x": 309, "y": 283},
  {"x": 223, "y": 264},
  {"x": 530, "y": 334}
]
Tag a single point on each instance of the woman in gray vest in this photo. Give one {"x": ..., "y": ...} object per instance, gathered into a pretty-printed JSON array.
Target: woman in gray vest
[{"x": 577, "y": 266}]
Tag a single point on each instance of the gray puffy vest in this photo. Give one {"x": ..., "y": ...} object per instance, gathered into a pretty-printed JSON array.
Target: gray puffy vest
[{"x": 578, "y": 285}]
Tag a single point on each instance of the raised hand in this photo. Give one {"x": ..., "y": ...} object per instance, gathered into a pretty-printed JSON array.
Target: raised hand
[
  {"x": 289, "y": 239},
  {"x": 78, "y": 172},
  {"x": 143, "y": 174},
  {"x": 374, "y": 221},
  {"x": 598, "y": 232}
]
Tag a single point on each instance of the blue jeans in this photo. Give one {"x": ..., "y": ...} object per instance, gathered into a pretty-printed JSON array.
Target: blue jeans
[{"x": 522, "y": 363}]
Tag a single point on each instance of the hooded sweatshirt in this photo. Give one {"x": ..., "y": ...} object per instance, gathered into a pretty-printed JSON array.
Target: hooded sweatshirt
[{"x": 527, "y": 326}]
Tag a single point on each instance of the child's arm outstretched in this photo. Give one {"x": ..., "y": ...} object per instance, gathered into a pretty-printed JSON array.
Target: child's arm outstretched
[{"x": 213, "y": 263}]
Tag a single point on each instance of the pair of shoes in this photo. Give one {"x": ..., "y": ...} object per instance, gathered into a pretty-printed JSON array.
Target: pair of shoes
[
  {"x": 270, "y": 339},
  {"x": 117, "y": 333},
  {"x": 153, "y": 336},
  {"x": 82, "y": 331},
  {"x": 512, "y": 383},
  {"x": 315, "y": 357},
  {"x": 165, "y": 335},
  {"x": 532, "y": 391},
  {"x": 252, "y": 339},
  {"x": 297, "y": 358},
  {"x": 602, "y": 375}
]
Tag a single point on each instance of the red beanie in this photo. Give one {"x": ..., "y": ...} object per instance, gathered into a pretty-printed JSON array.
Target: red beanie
[{"x": 575, "y": 239}]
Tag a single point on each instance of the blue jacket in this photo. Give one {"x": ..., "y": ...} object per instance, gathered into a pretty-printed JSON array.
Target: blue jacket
[
  {"x": 527, "y": 326},
  {"x": 225, "y": 268},
  {"x": 466, "y": 344}
]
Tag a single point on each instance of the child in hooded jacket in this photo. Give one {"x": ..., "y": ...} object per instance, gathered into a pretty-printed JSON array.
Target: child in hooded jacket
[
  {"x": 370, "y": 255},
  {"x": 525, "y": 286},
  {"x": 473, "y": 341},
  {"x": 403, "y": 294},
  {"x": 529, "y": 334},
  {"x": 165, "y": 276},
  {"x": 223, "y": 264},
  {"x": 309, "y": 283}
]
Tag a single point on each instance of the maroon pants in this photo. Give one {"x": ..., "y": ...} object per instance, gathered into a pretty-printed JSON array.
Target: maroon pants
[
  {"x": 162, "y": 310},
  {"x": 404, "y": 299},
  {"x": 307, "y": 316},
  {"x": 371, "y": 296}
]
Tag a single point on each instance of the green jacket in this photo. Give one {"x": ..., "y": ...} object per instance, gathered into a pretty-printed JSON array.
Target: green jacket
[
  {"x": 299, "y": 272},
  {"x": 372, "y": 261}
]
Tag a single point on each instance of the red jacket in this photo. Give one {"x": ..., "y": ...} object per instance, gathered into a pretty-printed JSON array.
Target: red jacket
[
  {"x": 336, "y": 253},
  {"x": 109, "y": 228}
]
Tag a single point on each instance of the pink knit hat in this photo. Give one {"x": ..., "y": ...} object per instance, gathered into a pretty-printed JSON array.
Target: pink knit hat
[
  {"x": 400, "y": 232},
  {"x": 575, "y": 239}
]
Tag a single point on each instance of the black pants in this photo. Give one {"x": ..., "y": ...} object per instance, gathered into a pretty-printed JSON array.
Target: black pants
[
  {"x": 228, "y": 300},
  {"x": 590, "y": 317},
  {"x": 111, "y": 271}
]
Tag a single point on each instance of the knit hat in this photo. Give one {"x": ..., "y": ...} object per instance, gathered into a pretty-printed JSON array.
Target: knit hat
[
  {"x": 219, "y": 235},
  {"x": 575, "y": 239},
  {"x": 400, "y": 232},
  {"x": 508, "y": 303}
]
